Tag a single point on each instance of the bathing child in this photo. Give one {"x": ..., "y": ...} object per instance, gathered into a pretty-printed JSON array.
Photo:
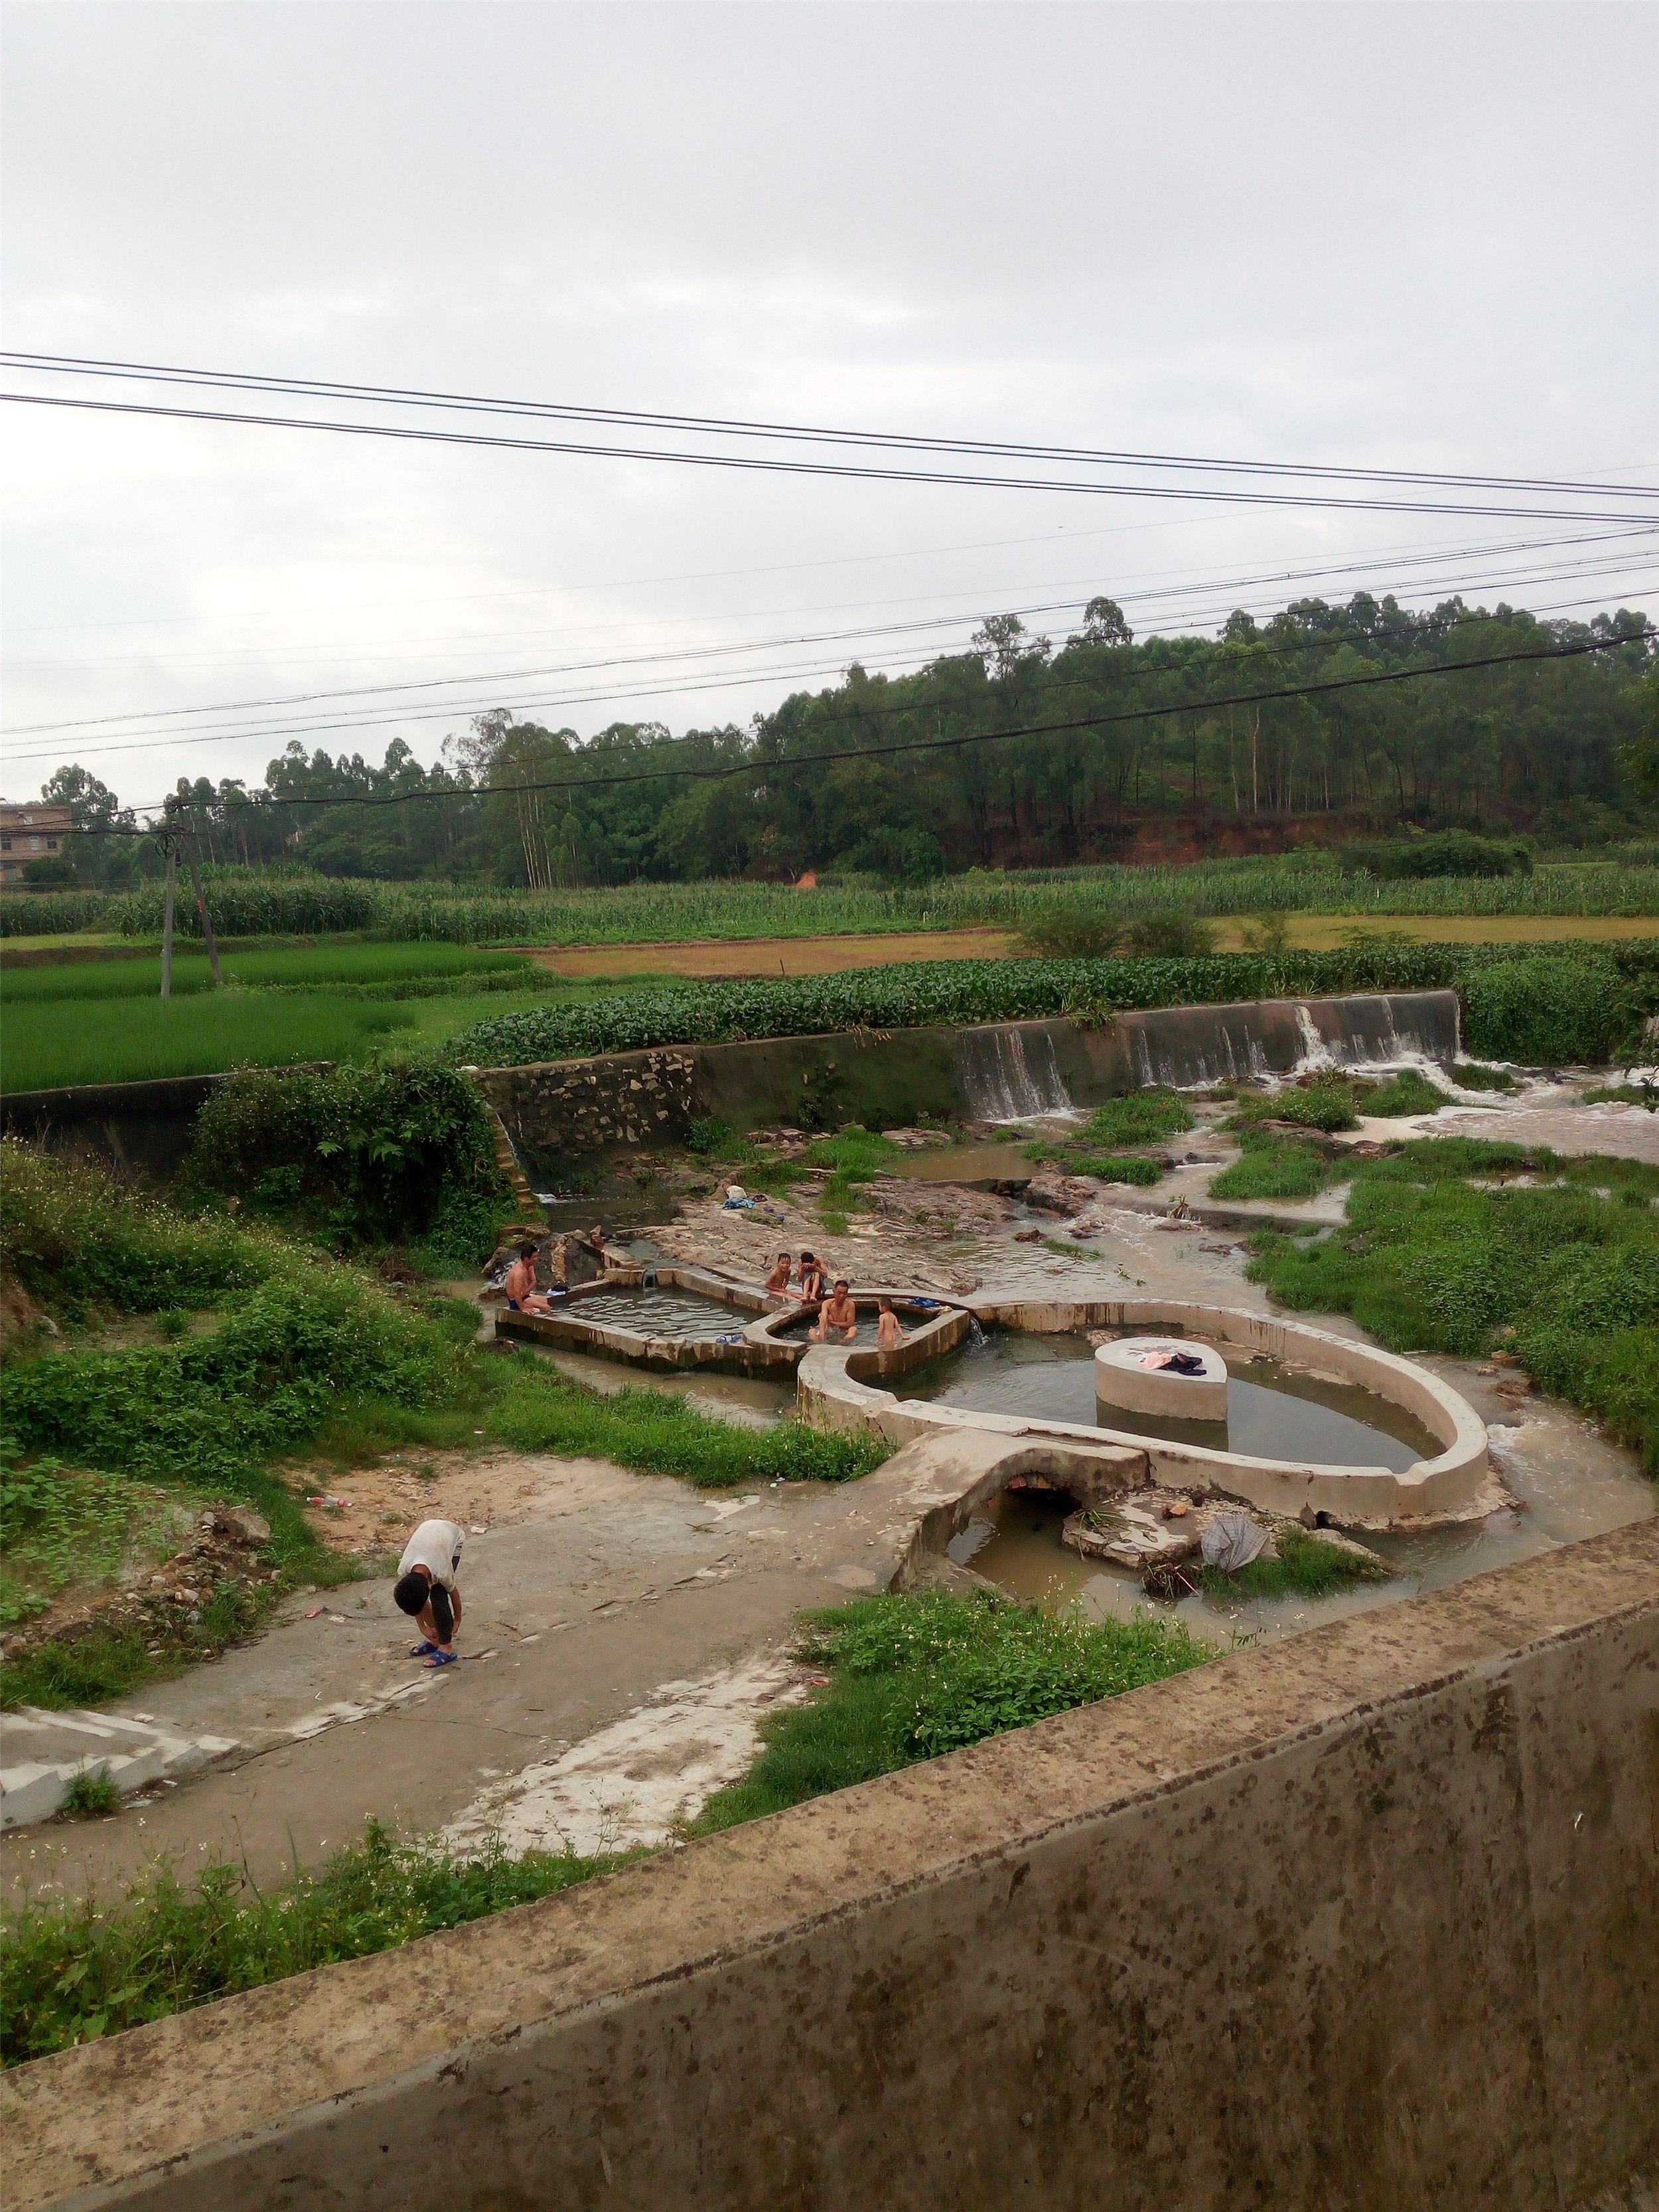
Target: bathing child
[
  {"x": 427, "y": 1588},
  {"x": 778, "y": 1281},
  {"x": 889, "y": 1334},
  {"x": 839, "y": 1313}
]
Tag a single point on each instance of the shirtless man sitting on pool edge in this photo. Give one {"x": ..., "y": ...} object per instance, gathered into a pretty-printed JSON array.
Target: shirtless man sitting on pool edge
[{"x": 522, "y": 1296}]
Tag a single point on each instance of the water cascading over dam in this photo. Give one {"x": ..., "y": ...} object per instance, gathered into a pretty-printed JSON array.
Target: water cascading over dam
[
  {"x": 1011, "y": 1072},
  {"x": 563, "y": 1112}
]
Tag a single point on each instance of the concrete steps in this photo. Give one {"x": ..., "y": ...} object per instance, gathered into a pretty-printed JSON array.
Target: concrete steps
[{"x": 42, "y": 1753}]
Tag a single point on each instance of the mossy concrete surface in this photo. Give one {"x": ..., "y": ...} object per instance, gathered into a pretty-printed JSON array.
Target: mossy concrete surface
[{"x": 1367, "y": 1917}]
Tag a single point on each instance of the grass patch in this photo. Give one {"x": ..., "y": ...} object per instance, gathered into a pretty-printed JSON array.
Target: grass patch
[
  {"x": 71, "y": 1973},
  {"x": 1471, "y": 1075},
  {"x": 91, "y": 1797},
  {"x": 658, "y": 1433},
  {"x": 1306, "y": 1566},
  {"x": 1625, "y": 1094},
  {"x": 1141, "y": 1117},
  {"x": 1275, "y": 1167},
  {"x": 1461, "y": 1246},
  {"x": 913, "y": 1675}
]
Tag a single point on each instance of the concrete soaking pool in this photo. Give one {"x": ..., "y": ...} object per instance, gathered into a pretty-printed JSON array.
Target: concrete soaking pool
[{"x": 1273, "y": 1411}]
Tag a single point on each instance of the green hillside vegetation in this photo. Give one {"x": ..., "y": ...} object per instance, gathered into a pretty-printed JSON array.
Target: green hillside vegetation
[{"x": 1089, "y": 740}]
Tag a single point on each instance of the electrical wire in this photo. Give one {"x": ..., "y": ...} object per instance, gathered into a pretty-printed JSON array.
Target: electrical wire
[
  {"x": 760, "y": 766},
  {"x": 715, "y": 426},
  {"x": 693, "y": 653},
  {"x": 862, "y": 472}
]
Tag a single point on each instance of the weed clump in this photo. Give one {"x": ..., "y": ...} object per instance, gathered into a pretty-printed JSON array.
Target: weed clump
[
  {"x": 916, "y": 1673},
  {"x": 72, "y": 1973},
  {"x": 1306, "y": 1566},
  {"x": 91, "y": 1796}
]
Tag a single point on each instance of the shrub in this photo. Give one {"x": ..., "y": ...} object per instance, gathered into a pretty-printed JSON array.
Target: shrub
[
  {"x": 1072, "y": 932},
  {"x": 1169, "y": 935},
  {"x": 1550, "y": 1010},
  {"x": 1445, "y": 853},
  {"x": 368, "y": 1154}
]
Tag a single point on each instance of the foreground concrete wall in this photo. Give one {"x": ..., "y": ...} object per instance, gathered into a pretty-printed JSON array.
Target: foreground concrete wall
[{"x": 1366, "y": 1919}]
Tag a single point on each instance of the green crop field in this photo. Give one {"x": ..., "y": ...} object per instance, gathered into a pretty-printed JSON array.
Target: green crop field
[
  {"x": 132, "y": 1040},
  {"x": 252, "y": 903},
  {"x": 1537, "y": 1004},
  {"x": 396, "y": 969}
]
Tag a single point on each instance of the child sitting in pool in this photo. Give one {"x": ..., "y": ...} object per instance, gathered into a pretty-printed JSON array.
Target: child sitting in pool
[
  {"x": 889, "y": 1334},
  {"x": 778, "y": 1281},
  {"x": 839, "y": 1313}
]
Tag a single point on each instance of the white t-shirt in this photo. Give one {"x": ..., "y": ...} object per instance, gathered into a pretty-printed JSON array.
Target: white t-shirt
[{"x": 436, "y": 1545}]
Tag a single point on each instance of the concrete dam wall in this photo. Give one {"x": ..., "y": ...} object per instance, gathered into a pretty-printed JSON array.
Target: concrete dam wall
[
  {"x": 1368, "y": 1917},
  {"x": 560, "y": 1112}
]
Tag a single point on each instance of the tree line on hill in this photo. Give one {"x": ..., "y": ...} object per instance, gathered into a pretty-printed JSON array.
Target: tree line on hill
[{"x": 1192, "y": 736}]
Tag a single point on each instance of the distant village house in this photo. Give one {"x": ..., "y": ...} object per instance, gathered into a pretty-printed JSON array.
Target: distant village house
[{"x": 29, "y": 833}]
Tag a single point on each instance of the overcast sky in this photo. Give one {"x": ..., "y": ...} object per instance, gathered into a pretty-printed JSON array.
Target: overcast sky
[{"x": 1400, "y": 236}]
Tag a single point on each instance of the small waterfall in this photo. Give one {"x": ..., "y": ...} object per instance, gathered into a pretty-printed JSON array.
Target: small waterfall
[{"x": 1003, "y": 1083}]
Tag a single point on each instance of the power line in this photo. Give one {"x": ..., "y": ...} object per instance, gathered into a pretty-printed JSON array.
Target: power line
[
  {"x": 851, "y": 471},
  {"x": 763, "y": 765},
  {"x": 715, "y": 426},
  {"x": 366, "y": 721},
  {"x": 698, "y": 653}
]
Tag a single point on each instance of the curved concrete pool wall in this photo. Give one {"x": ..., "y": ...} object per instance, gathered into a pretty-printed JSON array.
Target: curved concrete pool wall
[
  {"x": 837, "y": 1390},
  {"x": 565, "y": 1111},
  {"x": 771, "y": 1344}
]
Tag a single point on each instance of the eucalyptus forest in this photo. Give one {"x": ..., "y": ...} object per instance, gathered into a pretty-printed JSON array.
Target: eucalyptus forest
[{"x": 1324, "y": 724}]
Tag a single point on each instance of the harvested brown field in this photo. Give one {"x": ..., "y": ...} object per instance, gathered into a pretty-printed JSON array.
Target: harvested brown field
[{"x": 828, "y": 955}]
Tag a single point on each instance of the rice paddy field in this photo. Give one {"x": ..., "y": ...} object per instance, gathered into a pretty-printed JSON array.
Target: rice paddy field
[{"x": 319, "y": 969}]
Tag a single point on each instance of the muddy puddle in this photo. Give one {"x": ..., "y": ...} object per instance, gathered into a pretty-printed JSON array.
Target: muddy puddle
[{"x": 1273, "y": 1412}]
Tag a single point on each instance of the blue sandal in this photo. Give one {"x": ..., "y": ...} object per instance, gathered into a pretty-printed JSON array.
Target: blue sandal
[
  {"x": 420, "y": 1650},
  {"x": 442, "y": 1658}
]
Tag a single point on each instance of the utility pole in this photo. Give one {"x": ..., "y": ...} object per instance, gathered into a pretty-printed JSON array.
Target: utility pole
[
  {"x": 170, "y": 847},
  {"x": 207, "y": 919}
]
